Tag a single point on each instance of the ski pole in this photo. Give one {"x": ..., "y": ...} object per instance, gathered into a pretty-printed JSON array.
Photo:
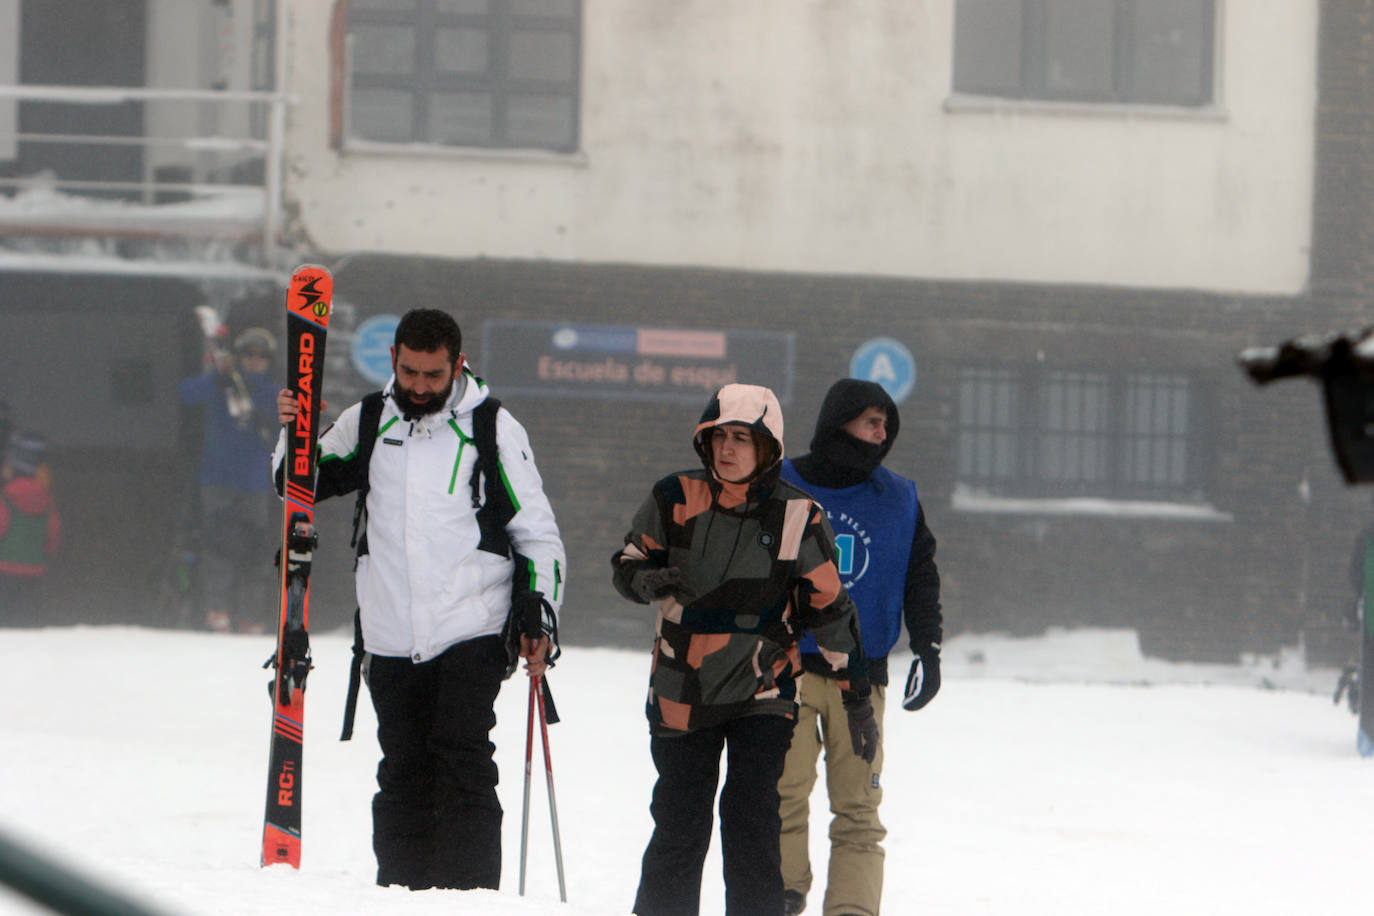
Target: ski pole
[
  {"x": 548, "y": 768},
  {"x": 525, "y": 814}
]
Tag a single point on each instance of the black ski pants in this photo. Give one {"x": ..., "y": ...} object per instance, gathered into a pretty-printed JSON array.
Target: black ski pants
[
  {"x": 436, "y": 820},
  {"x": 688, "y": 773}
]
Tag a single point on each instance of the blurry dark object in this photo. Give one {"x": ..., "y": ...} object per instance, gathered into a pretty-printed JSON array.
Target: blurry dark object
[
  {"x": 1349, "y": 686},
  {"x": 1344, "y": 365},
  {"x": 48, "y": 881}
]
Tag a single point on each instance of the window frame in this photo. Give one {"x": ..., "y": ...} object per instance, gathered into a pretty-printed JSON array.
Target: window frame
[
  {"x": 1004, "y": 456},
  {"x": 500, "y": 23},
  {"x": 1033, "y": 87}
]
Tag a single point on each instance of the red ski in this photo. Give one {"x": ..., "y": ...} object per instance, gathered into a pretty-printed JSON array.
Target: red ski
[{"x": 308, "y": 304}]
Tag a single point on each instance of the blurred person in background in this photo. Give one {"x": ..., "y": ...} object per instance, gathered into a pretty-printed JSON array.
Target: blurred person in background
[
  {"x": 1361, "y": 568},
  {"x": 30, "y": 528},
  {"x": 239, "y": 513}
]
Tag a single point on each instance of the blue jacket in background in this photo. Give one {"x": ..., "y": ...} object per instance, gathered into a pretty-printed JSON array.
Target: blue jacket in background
[{"x": 235, "y": 455}]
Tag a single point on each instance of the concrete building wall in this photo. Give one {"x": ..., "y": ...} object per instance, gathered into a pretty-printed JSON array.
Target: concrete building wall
[{"x": 824, "y": 137}]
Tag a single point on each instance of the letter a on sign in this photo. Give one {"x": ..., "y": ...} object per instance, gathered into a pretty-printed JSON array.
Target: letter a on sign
[
  {"x": 882, "y": 370},
  {"x": 888, "y": 362}
]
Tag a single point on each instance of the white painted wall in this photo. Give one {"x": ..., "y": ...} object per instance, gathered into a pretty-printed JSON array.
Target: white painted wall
[{"x": 819, "y": 135}]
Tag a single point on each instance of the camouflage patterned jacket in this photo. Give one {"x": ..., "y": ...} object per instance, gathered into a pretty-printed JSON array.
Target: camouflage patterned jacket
[{"x": 758, "y": 568}]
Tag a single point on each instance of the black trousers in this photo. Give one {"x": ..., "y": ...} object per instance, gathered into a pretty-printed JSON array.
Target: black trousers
[
  {"x": 436, "y": 820},
  {"x": 237, "y": 572},
  {"x": 688, "y": 772}
]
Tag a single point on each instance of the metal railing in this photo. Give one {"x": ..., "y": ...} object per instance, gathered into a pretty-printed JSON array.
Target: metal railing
[{"x": 211, "y": 157}]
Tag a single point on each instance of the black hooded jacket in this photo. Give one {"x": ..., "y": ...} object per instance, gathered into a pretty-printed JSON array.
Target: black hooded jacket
[{"x": 838, "y": 460}]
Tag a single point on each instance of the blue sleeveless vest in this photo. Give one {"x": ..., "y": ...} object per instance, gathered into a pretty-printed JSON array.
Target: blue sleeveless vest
[{"x": 874, "y": 524}]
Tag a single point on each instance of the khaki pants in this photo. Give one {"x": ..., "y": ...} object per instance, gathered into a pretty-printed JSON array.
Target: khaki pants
[{"x": 855, "y": 880}]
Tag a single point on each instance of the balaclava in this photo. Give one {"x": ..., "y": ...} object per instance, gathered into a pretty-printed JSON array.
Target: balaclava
[{"x": 838, "y": 459}]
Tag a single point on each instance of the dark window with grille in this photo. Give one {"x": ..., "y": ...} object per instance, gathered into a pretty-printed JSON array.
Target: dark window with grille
[
  {"x": 1146, "y": 52},
  {"x": 501, "y": 74},
  {"x": 1057, "y": 434},
  {"x": 989, "y": 426}
]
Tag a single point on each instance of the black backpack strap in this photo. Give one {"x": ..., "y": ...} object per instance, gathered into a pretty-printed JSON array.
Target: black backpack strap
[
  {"x": 368, "y": 421},
  {"x": 355, "y": 676},
  {"x": 490, "y": 497}
]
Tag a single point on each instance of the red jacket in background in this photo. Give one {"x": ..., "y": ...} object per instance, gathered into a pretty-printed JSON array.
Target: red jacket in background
[{"x": 30, "y": 527}]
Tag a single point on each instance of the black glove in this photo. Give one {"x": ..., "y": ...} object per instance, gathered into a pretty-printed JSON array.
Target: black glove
[
  {"x": 863, "y": 727},
  {"x": 532, "y": 617},
  {"x": 923, "y": 682},
  {"x": 652, "y": 583},
  {"x": 527, "y": 614}
]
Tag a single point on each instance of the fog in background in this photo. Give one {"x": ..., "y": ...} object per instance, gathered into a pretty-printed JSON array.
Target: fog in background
[{"x": 1069, "y": 242}]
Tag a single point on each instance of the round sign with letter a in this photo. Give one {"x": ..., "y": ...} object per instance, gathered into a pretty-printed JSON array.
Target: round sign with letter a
[{"x": 888, "y": 362}]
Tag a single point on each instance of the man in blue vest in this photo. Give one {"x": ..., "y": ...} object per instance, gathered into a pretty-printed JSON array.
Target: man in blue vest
[{"x": 886, "y": 558}]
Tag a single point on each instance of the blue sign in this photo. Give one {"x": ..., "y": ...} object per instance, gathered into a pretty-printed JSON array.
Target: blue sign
[
  {"x": 371, "y": 350},
  {"x": 601, "y": 361},
  {"x": 887, "y": 362}
]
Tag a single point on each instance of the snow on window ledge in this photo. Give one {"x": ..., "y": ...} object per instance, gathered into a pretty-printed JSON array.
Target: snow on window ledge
[{"x": 968, "y": 499}]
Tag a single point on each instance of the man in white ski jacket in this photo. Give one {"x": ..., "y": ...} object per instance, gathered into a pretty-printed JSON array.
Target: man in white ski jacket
[{"x": 434, "y": 606}]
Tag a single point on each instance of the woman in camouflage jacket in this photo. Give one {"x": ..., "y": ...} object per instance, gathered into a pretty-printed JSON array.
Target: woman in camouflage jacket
[{"x": 739, "y": 563}]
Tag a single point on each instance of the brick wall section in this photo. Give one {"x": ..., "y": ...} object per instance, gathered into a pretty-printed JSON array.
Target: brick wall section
[
  {"x": 1206, "y": 590},
  {"x": 1342, "y": 282},
  {"x": 1272, "y": 574}
]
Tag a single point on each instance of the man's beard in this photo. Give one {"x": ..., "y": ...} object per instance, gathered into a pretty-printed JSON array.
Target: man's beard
[{"x": 414, "y": 410}]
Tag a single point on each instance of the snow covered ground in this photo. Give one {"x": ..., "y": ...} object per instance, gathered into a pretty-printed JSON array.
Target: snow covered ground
[{"x": 1060, "y": 775}]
